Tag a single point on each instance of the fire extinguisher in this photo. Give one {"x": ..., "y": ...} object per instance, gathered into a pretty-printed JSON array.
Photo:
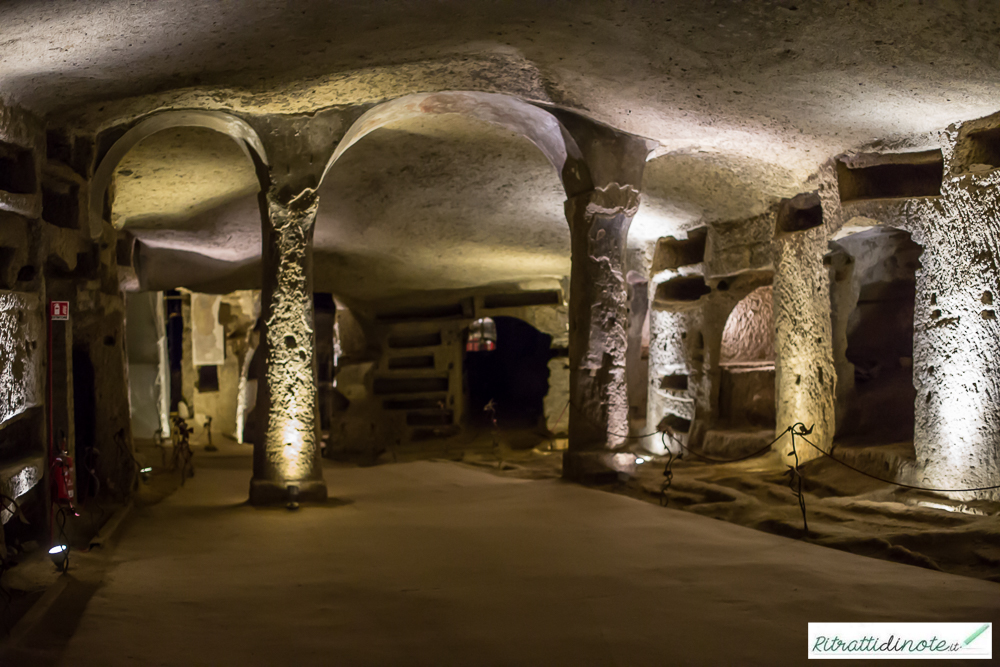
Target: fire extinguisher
[{"x": 62, "y": 474}]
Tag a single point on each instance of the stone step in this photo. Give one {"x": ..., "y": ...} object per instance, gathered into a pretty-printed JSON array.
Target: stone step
[{"x": 429, "y": 417}]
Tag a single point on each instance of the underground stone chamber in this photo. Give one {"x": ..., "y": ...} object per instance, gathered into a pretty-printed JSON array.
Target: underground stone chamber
[{"x": 874, "y": 315}]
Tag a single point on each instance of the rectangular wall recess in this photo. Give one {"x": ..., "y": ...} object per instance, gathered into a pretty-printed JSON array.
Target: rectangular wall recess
[{"x": 870, "y": 176}]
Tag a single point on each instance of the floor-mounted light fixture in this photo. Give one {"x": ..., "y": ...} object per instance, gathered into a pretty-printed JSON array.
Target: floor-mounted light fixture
[
  {"x": 60, "y": 556},
  {"x": 482, "y": 336}
]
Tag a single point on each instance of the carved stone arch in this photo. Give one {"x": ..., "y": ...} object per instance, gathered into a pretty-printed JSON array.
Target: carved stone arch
[
  {"x": 532, "y": 122},
  {"x": 235, "y": 128}
]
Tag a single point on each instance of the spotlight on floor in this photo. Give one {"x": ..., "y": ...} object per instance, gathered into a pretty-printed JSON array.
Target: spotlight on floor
[
  {"x": 293, "y": 497},
  {"x": 60, "y": 556},
  {"x": 146, "y": 474},
  {"x": 639, "y": 460}
]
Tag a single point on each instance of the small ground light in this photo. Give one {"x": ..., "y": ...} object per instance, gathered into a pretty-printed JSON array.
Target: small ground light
[
  {"x": 60, "y": 556},
  {"x": 639, "y": 460},
  {"x": 146, "y": 473},
  {"x": 293, "y": 497}
]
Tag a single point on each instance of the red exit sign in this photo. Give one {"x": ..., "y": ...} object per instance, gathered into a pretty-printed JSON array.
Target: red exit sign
[{"x": 60, "y": 310}]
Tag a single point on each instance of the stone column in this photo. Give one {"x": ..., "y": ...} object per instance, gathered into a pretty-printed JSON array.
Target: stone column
[
  {"x": 956, "y": 342},
  {"x": 286, "y": 452},
  {"x": 805, "y": 377},
  {"x": 598, "y": 316}
]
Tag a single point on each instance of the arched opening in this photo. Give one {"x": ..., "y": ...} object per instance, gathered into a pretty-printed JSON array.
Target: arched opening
[
  {"x": 181, "y": 189},
  {"x": 513, "y": 377},
  {"x": 746, "y": 387},
  {"x": 874, "y": 316},
  {"x": 417, "y": 231}
]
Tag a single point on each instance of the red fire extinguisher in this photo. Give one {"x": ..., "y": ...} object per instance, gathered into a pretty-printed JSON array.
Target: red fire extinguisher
[{"x": 62, "y": 475}]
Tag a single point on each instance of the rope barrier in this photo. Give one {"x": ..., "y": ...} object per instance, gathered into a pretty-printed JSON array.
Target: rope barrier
[
  {"x": 887, "y": 481},
  {"x": 796, "y": 430}
]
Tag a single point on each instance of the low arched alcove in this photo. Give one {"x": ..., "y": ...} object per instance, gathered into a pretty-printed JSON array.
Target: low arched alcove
[
  {"x": 746, "y": 361},
  {"x": 514, "y": 375},
  {"x": 874, "y": 317}
]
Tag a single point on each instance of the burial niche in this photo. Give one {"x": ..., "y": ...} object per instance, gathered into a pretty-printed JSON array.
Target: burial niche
[{"x": 746, "y": 382}]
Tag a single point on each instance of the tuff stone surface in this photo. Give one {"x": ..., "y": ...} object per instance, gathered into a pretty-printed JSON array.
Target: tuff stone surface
[
  {"x": 287, "y": 450},
  {"x": 598, "y": 316}
]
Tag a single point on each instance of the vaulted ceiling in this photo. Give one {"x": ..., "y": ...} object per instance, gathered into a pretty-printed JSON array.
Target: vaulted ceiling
[{"x": 746, "y": 101}]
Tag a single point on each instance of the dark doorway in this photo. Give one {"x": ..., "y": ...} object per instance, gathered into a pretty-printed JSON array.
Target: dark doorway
[
  {"x": 880, "y": 335},
  {"x": 175, "y": 344},
  {"x": 515, "y": 376},
  {"x": 84, "y": 421}
]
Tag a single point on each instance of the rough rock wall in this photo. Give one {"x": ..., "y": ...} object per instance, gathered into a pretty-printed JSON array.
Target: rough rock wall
[
  {"x": 749, "y": 332},
  {"x": 144, "y": 361},
  {"x": 22, "y": 350},
  {"x": 599, "y": 222},
  {"x": 673, "y": 338},
  {"x": 956, "y": 333},
  {"x": 556, "y": 402},
  {"x": 804, "y": 374}
]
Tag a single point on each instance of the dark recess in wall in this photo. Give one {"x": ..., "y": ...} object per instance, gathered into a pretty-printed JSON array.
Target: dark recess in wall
[
  {"x": 17, "y": 170},
  {"x": 84, "y": 421},
  {"x": 60, "y": 204},
  {"x": 800, "y": 213},
  {"x": 981, "y": 147},
  {"x": 682, "y": 289},
  {"x": 414, "y": 403},
  {"x": 674, "y": 382},
  {"x": 672, "y": 253},
  {"x": 419, "y": 361},
  {"x": 404, "y": 340},
  {"x": 409, "y": 385},
  {"x": 208, "y": 378},
  {"x": 891, "y": 176},
  {"x": 674, "y": 423},
  {"x": 515, "y": 376},
  {"x": 438, "y": 418}
]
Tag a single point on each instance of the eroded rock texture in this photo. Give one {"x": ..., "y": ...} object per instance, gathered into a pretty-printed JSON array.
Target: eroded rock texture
[
  {"x": 956, "y": 333},
  {"x": 803, "y": 354},
  {"x": 599, "y": 222},
  {"x": 22, "y": 346},
  {"x": 288, "y": 454}
]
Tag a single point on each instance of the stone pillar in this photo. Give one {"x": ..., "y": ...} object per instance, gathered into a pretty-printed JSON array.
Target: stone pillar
[
  {"x": 956, "y": 343},
  {"x": 598, "y": 316},
  {"x": 805, "y": 378},
  {"x": 286, "y": 454}
]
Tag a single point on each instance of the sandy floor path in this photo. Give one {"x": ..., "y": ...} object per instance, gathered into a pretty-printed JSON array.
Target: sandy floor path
[{"x": 433, "y": 563}]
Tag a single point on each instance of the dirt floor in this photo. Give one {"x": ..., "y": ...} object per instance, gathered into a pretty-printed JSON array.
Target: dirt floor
[
  {"x": 844, "y": 510},
  {"x": 492, "y": 560}
]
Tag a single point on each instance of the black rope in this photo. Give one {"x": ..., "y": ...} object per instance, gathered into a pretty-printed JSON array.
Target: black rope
[
  {"x": 803, "y": 431},
  {"x": 794, "y": 475},
  {"x": 715, "y": 460},
  {"x": 668, "y": 474},
  {"x": 905, "y": 486},
  {"x": 61, "y": 519}
]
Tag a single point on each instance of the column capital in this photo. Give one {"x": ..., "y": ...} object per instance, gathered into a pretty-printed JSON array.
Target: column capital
[{"x": 611, "y": 200}]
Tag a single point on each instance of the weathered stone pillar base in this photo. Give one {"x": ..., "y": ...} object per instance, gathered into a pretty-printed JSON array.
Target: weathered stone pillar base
[{"x": 274, "y": 492}]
